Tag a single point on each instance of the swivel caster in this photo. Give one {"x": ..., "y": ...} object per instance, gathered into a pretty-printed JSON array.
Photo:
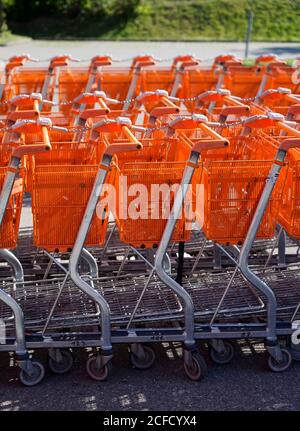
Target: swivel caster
[
  {"x": 223, "y": 356},
  {"x": 194, "y": 365},
  {"x": 60, "y": 361},
  {"x": 142, "y": 357},
  {"x": 32, "y": 374},
  {"x": 97, "y": 369},
  {"x": 283, "y": 365}
]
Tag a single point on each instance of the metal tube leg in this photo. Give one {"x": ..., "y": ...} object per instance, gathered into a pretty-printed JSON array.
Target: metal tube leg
[
  {"x": 14, "y": 263},
  {"x": 158, "y": 264},
  {"x": 75, "y": 255},
  {"x": 131, "y": 89},
  {"x": 262, "y": 86},
  {"x": 271, "y": 339},
  {"x": 180, "y": 263},
  {"x": 21, "y": 351},
  {"x": 7, "y": 187},
  {"x": 281, "y": 249},
  {"x": 217, "y": 257},
  {"x": 45, "y": 88},
  {"x": 91, "y": 261}
]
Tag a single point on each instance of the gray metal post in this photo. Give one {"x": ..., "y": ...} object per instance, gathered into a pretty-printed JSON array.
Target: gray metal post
[
  {"x": 161, "y": 251},
  {"x": 246, "y": 248},
  {"x": 77, "y": 250},
  {"x": 7, "y": 299}
]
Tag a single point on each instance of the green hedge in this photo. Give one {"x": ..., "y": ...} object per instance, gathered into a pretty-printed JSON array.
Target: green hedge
[{"x": 155, "y": 19}]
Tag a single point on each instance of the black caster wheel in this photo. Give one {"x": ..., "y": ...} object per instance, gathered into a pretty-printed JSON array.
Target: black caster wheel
[
  {"x": 64, "y": 365},
  {"x": 98, "y": 371},
  {"x": 283, "y": 365},
  {"x": 197, "y": 369},
  {"x": 35, "y": 376},
  {"x": 224, "y": 357},
  {"x": 143, "y": 362}
]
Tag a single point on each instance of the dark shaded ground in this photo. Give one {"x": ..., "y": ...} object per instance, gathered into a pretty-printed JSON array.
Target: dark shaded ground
[{"x": 245, "y": 384}]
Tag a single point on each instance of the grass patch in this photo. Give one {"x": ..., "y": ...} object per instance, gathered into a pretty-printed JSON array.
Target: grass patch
[{"x": 218, "y": 20}]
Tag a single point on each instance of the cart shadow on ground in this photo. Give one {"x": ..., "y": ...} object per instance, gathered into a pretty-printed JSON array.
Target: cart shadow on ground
[{"x": 245, "y": 384}]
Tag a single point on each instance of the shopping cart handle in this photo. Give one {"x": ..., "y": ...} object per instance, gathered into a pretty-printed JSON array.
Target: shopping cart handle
[
  {"x": 223, "y": 58},
  {"x": 13, "y": 116},
  {"x": 266, "y": 58},
  {"x": 235, "y": 64},
  {"x": 289, "y": 143},
  {"x": 183, "y": 58},
  {"x": 263, "y": 121},
  {"x": 100, "y": 60},
  {"x": 187, "y": 122},
  {"x": 62, "y": 60},
  {"x": 119, "y": 147},
  {"x": 24, "y": 150},
  {"x": 28, "y": 99},
  {"x": 187, "y": 64},
  {"x": 94, "y": 113},
  {"x": 274, "y": 94},
  {"x": 59, "y": 129},
  {"x": 22, "y": 58},
  {"x": 209, "y": 144},
  {"x": 234, "y": 110},
  {"x": 142, "y": 58},
  {"x": 213, "y": 95},
  {"x": 294, "y": 109},
  {"x": 164, "y": 110},
  {"x": 91, "y": 99},
  {"x": 17, "y": 61},
  {"x": 142, "y": 64},
  {"x": 275, "y": 66}
]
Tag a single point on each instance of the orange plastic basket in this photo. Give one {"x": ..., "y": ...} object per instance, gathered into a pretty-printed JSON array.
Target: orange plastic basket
[
  {"x": 161, "y": 162},
  {"x": 157, "y": 78},
  {"x": 283, "y": 76},
  {"x": 243, "y": 81},
  {"x": 30, "y": 80},
  {"x": 289, "y": 212},
  {"x": 231, "y": 193},
  {"x": 195, "y": 81},
  {"x": 60, "y": 196},
  {"x": 71, "y": 83}
]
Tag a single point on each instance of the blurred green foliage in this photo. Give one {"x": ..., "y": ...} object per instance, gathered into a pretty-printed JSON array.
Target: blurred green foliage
[{"x": 153, "y": 19}]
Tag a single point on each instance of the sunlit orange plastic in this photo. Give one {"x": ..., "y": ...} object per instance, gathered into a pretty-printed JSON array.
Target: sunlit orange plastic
[
  {"x": 140, "y": 60},
  {"x": 60, "y": 195},
  {"x": 89, "y": 100},
  {"x": 196, "y": 81},
  {"x": 281, "y": 75},
  {"x": 243, "y": 81},
  {"x": 225, "y": 58},
  {"x": 114, "y": 82},
  {"x": 266, "y": 58},
  {"x": 161, "y": 162},
  {"x": 61, "y": 190},
  {"x": 31, "y": 80},
  {"x": 280, "y": 100},
  {"x": 289, "y": 212},
  {"x": 232, "y": 190}
]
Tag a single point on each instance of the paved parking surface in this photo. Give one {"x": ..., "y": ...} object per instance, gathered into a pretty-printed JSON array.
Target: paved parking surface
[{"x": 245, "y": 384}]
